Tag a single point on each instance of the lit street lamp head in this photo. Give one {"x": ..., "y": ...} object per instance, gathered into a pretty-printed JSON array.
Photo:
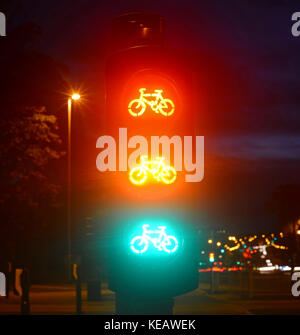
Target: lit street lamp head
[{"x": 75, "y": 96}]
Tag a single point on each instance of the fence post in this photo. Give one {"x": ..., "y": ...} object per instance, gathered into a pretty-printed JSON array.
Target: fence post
[
  {"x": 217, "y": 281},
  {"x": 212, "y": 281},
  {"x": 25, "y": 286},
  {"x": 250, "y": 281},
  {"x": 78, "y": 297},
  {"x": 240, "y": 283},
  {"x": 230, "y": 282},
  {"x": 77, "y": 277}
]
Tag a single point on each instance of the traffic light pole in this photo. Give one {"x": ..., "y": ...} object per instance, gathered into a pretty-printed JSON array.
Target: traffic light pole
[{"x": 135, "y": 304}]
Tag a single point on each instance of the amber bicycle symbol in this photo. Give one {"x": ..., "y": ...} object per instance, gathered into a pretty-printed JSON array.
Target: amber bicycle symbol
[
  {"x": 159, "y": 171},
  {"x": 160, "y": 105}
]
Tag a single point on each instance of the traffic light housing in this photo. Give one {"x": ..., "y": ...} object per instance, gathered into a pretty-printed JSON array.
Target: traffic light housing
[
  {"x": 150, "y": 68},
  {"x": 149, "y": 93},
  {"x": 150, "y": 97},
  {"x": 154, "y": 252}
]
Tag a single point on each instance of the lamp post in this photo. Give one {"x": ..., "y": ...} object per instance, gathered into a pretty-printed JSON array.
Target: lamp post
[{"x": 74, "y": 97}]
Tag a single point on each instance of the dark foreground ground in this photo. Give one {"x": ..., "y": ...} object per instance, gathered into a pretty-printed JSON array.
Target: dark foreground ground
[{"x": 60, "y": 299}]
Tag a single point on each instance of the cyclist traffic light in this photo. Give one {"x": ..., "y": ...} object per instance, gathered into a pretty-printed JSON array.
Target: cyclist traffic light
[
  {"x": 160, "y": 105},
  {"x": 155, "y": 240},
  {"x": 154, "y": 251},
  {"x": 149, "y": 108},
  {"x": 150, "y": 145},
  {"x": 157, "y": 170}
]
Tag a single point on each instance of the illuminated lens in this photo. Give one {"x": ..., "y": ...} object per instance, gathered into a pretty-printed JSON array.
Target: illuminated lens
[
  {"x": 157, "y": 239},
  {"x": 155, "y": 101},
  {"x": 156, "y": 170}
]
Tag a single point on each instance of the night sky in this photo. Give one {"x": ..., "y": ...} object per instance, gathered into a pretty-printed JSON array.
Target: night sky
[{"x": 255, "y": 144}]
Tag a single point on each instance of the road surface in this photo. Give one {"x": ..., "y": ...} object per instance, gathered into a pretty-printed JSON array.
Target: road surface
[{"x": 60, "y": 299}]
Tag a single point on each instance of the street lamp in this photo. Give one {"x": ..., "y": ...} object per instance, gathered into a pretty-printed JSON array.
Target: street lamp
[{"x": 74, "y": 97}]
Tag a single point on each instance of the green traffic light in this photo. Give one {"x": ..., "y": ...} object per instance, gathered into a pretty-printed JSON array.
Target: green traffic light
[{"x": 156, "y": 240}]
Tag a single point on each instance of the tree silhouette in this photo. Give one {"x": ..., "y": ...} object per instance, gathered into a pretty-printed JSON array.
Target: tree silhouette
[
  {"x": 28, "y": 143},
  {"x": 32, "y": 134}
]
